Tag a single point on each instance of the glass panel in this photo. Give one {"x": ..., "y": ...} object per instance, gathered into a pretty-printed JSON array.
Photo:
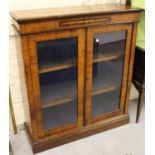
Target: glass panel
[
  {"x": 105, "y": 102},
  {"x": 57, "y": 52},
  {"x": 57, "y": 61},
  {"x": 108, "y": 56}
]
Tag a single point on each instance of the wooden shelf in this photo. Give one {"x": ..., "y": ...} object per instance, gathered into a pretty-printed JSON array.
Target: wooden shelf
[
  {"x": 100, "y": 106},
  {"x": 66, "y": 99},
  {"x": 107, "y": 57},
  {"x": 65, "y": 92},
  {"x": 59, "y": 93},
  {"x": 107, "y": 52},
  {"x": 104, "y": 89},
  {"x": 58, "y": 101},
  {"x": 100, "y": 58},
  {"x": 60, "y": 115},
  {"x": 56, "y": 68}
]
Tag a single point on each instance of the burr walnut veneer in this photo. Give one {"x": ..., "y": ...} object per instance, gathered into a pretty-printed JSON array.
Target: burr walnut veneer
[{"x": 78, "y": 67}]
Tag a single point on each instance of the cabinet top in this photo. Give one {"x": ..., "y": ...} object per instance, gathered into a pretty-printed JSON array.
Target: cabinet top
[{"x": 47, "y": 13}]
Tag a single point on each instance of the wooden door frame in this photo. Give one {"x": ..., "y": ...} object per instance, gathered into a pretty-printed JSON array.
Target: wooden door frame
[
  {"x": 32, "y": 40},
  {"x": 90, "y": 33}
]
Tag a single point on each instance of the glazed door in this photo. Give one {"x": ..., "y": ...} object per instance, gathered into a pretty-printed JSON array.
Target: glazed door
[
  {"x": 57, "y": 68},
  {"x": 108, "y": 51}
]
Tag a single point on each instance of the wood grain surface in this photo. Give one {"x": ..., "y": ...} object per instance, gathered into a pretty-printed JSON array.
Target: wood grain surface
[{"x": 35, "y": 14}]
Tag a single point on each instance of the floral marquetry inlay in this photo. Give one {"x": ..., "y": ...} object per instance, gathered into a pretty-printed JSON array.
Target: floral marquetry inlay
[{"x": 84, "y": 21}]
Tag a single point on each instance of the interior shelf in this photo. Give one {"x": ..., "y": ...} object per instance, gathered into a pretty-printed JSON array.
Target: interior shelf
[
  {"x": 106, "y": 52},
  {"x": 61, "y": 115},
  {"x": 65, "y": 99},
  {"x": 109, "y": 51},
  {"x": 58, "y": 101},
  {"x": 54, "y": 94},
  {"x": 107, "y": 57},
  {"x": 109, "y": 76},
  {"x": 105, "y": 102},
  {"x": 55, "y": 116},
  {"x": 49, "y": 67},
  {"x": 104, "y": 89},
  {"x": 57, "y": 54},
  {"x": 99, "y": 58},
  {"x": 63, "y": 92}
]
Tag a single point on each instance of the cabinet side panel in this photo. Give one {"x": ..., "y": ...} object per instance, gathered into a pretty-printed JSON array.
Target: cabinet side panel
[
  {"x": 29, "y": 107},
  {"x": 132, "y": 55},
  {"x": 126, "y": 67},
  {"x": 22, "y": 80}
]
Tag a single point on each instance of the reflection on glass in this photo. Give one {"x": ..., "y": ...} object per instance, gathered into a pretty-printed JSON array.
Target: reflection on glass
[
  {"x": 58, "y": 87},
  {"x": 108, "y": 56}
]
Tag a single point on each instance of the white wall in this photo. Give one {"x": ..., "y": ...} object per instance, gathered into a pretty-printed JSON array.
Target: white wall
[
  {"x": 31, "y": 4},
  {"x": 34, "y": 4},
  {"x": 17, "y": 79}
]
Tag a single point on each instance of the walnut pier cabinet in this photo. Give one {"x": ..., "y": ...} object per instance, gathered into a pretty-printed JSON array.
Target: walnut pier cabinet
[{"x": 78, "y": 66}]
